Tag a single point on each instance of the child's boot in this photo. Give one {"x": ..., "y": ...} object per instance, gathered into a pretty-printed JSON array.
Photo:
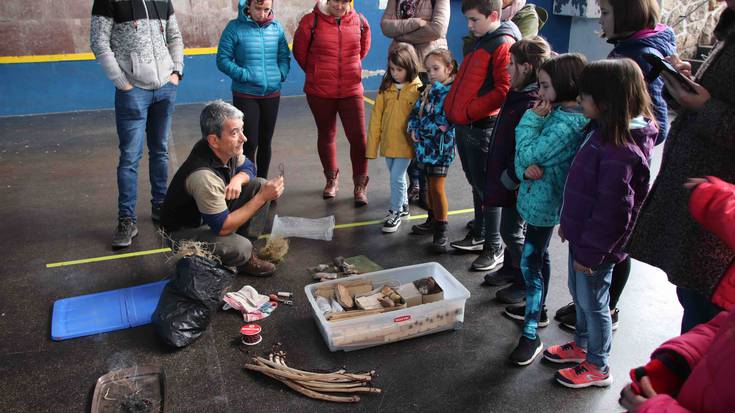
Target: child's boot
[
  {"x": 331, "y": 188},
  {"x": 441, "y": 242},
  {"x": 426, "y": 228},
  {"x": 361, "y": 190}
]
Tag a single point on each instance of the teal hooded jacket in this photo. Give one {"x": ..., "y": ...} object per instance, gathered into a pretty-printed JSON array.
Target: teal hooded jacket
[{"x": 254, "y": 55}]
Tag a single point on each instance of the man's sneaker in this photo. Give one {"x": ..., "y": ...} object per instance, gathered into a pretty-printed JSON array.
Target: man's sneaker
[
  {"x": 469, "y": 243},
  {"x": 124, "y": 233},
  {"x": 404, "y": 211},
  {"x": 488, "y": 260},
  {"x": 570, "y": 320},
  {"x": 392, "y": 223},
  {"x": 583, "y": 375},
  {"x": 503, "y": 276},
  {"x": 565, "y": 353},
  {"x": 567, "y": 309},
  {"x": 257, "y": 267},
  {"x": 519, "y": 313},
  {"x": 512, "y": 294},
  {"x": 156, "y": 212},
  {"x": 526, "y": 351}
]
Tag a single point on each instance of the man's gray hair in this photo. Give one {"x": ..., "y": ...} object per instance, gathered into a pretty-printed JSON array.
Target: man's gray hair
[{"x": 214, "y": 115}]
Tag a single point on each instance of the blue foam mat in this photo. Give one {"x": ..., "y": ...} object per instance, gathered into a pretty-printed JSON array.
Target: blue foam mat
[{"x": 106, "y": 311}]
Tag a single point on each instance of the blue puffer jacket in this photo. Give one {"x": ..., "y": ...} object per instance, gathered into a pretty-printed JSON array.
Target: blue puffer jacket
[
  {"x": 255, "y": 56},
  {"x": 429, "y": 124},
  {"x": 549, "y": 142},
  {"x": 660, "y": 41}
]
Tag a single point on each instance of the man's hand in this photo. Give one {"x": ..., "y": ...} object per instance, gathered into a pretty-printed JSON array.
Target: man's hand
[
  {"x": 581, "y": 268},
  {"x": 534, "y": 172},
  {"x": 233, "y": 189},
  {"x": 688, "y": 100},
  {"x": 174, "y": 78},
  {"x": 630, "y": 399},
  {"x": 271, "y": 189},
  {"x": 542, "y": 107}
]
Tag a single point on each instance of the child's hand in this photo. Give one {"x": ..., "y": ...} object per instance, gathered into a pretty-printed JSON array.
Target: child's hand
[
  {"x": 581, "y": 268},
  {"x": 542, "y": 108},
  {"x": 413, "y": 137},
  {"x": 692, "y": 183},
  {"x": 631, "y": 400},
  {"x": 534, "y": 172},
  {"x": 683, "y": 67}
]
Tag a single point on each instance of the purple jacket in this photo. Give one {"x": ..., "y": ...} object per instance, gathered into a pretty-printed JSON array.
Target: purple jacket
[
  {"x": 501, "y": 182},
  {"x": 604, "y": 192}
]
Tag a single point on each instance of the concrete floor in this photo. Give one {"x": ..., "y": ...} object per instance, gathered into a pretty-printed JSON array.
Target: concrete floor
[{"x": 57, "y": 179}]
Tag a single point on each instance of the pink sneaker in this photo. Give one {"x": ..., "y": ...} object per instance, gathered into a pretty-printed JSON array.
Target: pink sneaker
[
  {"x": 583, "y": 375},
  {"x": 565, "y": 353}
]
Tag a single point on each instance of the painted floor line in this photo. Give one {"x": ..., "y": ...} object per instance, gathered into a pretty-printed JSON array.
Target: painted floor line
[
  {"x": 162, "y": 250},
  {"x": 368, "y": 100}
]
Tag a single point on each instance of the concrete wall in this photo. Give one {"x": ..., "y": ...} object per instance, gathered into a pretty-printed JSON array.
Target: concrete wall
[{"x": 69, "y": 79}]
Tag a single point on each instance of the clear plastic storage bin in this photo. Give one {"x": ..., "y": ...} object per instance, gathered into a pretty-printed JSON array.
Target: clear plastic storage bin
[{"x": 373, "y": 330}]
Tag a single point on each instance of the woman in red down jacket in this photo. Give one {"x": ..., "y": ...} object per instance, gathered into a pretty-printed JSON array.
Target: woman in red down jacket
[
  {"x": 329, "y": 45},
  {"x": 694, "y": 372}
]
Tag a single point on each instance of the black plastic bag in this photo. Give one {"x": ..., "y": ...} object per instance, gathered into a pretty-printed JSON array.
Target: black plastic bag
[{"x": 187, "y": 301}]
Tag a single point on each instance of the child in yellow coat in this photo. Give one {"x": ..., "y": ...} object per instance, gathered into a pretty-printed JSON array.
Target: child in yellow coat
[{"x": 397, "y": 95}]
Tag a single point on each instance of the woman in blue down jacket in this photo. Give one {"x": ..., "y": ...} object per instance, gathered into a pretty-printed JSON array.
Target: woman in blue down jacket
[{"x": 253, "y": 52}]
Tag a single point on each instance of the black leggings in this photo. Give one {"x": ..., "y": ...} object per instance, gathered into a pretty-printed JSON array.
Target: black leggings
[
  {"x": 620, "y": 274},
  {"x": 260, "y": 121}
]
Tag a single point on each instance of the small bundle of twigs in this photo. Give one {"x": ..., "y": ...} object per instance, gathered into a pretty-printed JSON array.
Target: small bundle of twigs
[{"x": 314, "y": 385}]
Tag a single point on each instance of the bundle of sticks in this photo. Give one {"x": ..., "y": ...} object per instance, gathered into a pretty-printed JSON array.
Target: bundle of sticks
[{"x": 312, "y": 384}]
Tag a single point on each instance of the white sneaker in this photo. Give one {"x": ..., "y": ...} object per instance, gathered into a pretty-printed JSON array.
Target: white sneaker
[{"x": 392, "y": 222}]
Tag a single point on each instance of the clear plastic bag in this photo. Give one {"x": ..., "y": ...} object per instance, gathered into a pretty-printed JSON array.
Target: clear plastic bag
[{"x": 319, "y": 228}]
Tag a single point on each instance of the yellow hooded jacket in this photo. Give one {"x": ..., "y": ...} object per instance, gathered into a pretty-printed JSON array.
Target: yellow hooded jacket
[{"x": 389, "y": 120}]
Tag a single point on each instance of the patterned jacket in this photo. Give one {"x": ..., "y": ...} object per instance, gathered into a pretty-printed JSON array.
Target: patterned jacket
[
  {"x": 255, "y": 56},
  {"x": 549, "y": 142},
  {"x": 429, "y": 124},
  {"x": 137, "y": 42}
]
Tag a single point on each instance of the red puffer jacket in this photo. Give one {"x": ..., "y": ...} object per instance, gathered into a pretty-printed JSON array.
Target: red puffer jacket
[
  {"x": 712, "y": 204},
  {"x": 331, "y": 53},
  {"x": 709, "y": 351}
]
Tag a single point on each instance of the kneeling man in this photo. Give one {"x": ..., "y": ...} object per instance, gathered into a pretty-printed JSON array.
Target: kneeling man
[{"x": 215, "y": 196}]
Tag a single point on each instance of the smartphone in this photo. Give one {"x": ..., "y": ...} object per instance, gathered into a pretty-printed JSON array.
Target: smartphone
[{"x": 662, "y": 65}]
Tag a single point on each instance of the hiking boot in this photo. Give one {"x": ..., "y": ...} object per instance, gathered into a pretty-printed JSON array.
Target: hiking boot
[
  {"x": 332, "y": 186},
  {"x": 567, "y": 309},
  {"x": 569, "y": 320},
  {"x": 519, "y": 313},
  {"x": 512, "y": 294},
  {"x": 440, "y": 243},
  {"x": 566, "y": 353},
  {"x": 361, "y": 190},
  {"x": 257, "y": 268},
  {"x": 124, "y": 233},
  {"x": 583, "y": 375},
  {"x": 526, "y": 351},
  {"x": 488, "y": 260},
  {"x": 426, "y": 228},
  {"x": 392, "y": 222},
  {"x": 156, "y": 212},
  {"x": 469, "y": 243}
]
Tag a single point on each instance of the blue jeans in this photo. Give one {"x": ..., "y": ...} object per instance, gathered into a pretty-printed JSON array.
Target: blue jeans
[
  {"x": 143, "y": 115},
  {"x": 536, "y": 269},
  {"x": 591, "y": 294},
  {"x": 397, "y": 168},
  {"x": 472, "y": 146},
  {"x": 698, "y": 309}
]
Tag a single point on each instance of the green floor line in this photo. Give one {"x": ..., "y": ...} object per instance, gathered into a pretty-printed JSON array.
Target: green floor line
[{"x": 162, "y": 250}]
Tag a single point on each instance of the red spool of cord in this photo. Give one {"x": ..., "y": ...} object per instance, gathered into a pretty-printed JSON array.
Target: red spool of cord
[{"x": 251, "y": 334}]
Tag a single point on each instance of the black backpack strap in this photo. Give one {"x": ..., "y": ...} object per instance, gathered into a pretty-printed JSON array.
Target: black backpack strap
[{"x": 313, "y": 30}]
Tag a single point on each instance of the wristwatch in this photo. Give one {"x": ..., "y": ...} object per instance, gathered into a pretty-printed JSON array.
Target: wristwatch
[{"x": 177, "y": 73}]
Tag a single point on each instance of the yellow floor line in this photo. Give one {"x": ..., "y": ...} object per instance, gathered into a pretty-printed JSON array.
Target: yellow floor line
[{"x": 161, "y": 250}]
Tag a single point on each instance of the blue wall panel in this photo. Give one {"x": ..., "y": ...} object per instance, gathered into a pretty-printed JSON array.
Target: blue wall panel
[{"x": 31, "y": 88}]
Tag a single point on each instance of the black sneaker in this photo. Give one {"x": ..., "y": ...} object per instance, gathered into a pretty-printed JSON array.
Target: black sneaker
[
  {"x": 469, "y": 243},
  {"x": 124, "y": 233},
  {"x": 392, "y": 222},
  {"x": 567, "y": 309},
  {"x": 501, "y": 277},
  {"x": 488, "y": 260},
  {"x": 156, "y": 212},
  {"x": 526, "y": 351},
  {"x": 570, "y": 320},
  {"x": 512, "y": 294},
  {"x": 470, "y": 224},
  {"x": 519, "y": 313},
  {"x": 404, "y": 211}
]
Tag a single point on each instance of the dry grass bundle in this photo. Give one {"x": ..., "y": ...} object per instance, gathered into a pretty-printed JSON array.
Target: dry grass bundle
[{"x": 275, "y": 249}]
